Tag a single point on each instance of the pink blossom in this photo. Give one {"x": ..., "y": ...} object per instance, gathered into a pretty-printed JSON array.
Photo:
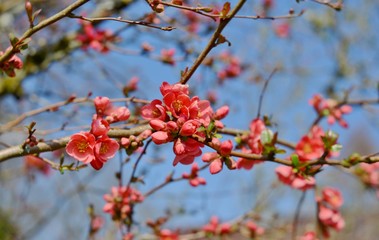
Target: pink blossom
[
  {"x": 287, "y": 176},
  {"x": 333, "y": 197},
  {"x": 105, "y": 149},
  {"x": 161, "y": 137},
  {"x": 34, "y": 163},
  {"x": 215, "y": 228},
  {"x": 118, "y": 203},
  {"x": 330, "y": 217},
  {"x": 117, "y": 114},
  {"x": 282, "y": 29},
  {"x": 189, "y": 128},
  {"x": 9, "y": 66},
  {"x": 97, "y": 222},
  {"x": 154, "y": 110},
  {"x": 99, "y": 127},
  {"x": 331, "y": 109},
  {"x": 94, "y": 38},
  {"x": 311, "y": 145},
  {"x": 309, "y": 236},
  {"x": 101, "y": 105},
  {"x": 254, "y": 229},
  {"x": 81, "y": 147},
  {"x": 221, "y": 113},
  {"x": 193, "y": 177},
  {"x": 167, "y": 56},
  {"x": 166, "y": 234},
  {"x": 186, "y": 151}
]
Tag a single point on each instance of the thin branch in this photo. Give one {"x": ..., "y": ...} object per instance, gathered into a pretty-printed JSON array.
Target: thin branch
[
  {"x": 297, "y": 215},
  {"x": 119, "y": 19},
  {"x": 132, "y": 176},
  {"x": 264, "y": 90},
  {"x": 212, "y": 42}
]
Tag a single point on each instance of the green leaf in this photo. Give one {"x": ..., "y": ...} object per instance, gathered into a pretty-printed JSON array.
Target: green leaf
[
  {"x": 266, "y": 136},
  {"x": 295, "y": 160}
]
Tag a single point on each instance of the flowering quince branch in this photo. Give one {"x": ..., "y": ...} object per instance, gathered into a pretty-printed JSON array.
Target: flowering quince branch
[
  {"x": 58, "y": 16},
  {"x": 119, "y": 19}
]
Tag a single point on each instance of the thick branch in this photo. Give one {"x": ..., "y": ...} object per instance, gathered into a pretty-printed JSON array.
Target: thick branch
[{"x": 49, "y": 146}]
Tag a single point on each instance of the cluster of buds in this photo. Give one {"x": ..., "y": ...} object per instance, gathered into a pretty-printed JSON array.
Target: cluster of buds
[
  {"x": 186, "y": 121},
  {"x": 9, "y": 66},
  {"x": 95, "y": 147},
  {"x": 214, "y": 228},
  {"x": 252, "y": 143},
  {"x": 94, "y": 38},
  {"x": 232, "y": 68},
  {"x": 328, "y": 206},
  {"x": 120, "y": 202},
  {"x": 193, "y": 177},
  {"x": 295, "y": 178},
  {"x": 133, "y": 143},
  {"x": 369, "y": 174},
  {"x": 331, "y": 109},
  {"x": 167, "y": 56}
]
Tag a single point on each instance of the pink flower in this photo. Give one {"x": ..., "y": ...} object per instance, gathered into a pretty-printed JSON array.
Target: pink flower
[
  {"x": 99, "y": 127},
  {"x": 81, "y": 147},
  {"x": 94, "y": 38},
  {"x": 287, "y": 176},
  {"x": 101, "y": 105},
  {"x": 311, "y": 146},
  {"x": 282, "y": 29},
  {"x": 193, "y": 177},
  {"x": 167, "y": 56},
  {"x": 186, "y": 151},
  {"x": 166, "y": 234},
  {"x": 118, "y": 203},
  {"x": 97, "y": 222},
  {"x": 330, "y": 217},
  {"x": 333, "y": 197},
  {"x": 35, "y": 163},
  {"x": 105, "y": 148},
  {"x": 254, "y": 229},
  {"x": 309, "y": 236},
  {"x": 331, "y": 109},
  {"x": 10, "y": 65},
  {"x": 154, "y": 110},
  {"x": 213, "y": 227}
]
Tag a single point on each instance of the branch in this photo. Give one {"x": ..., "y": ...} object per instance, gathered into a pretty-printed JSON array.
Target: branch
[
  {"x": 212, "y": 42},
  {"x": 52, "y": 145},
  {"x": 64, "y": 13},
  {"x": 119, "y": 19}
]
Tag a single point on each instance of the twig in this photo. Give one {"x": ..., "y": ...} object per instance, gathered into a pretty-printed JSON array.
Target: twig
[
  {"x": 119, "y": 19},
  {"x": 212, "y": 42},
  {"x": 264, "y": 90},
  {"x": 297, "y": 214}
]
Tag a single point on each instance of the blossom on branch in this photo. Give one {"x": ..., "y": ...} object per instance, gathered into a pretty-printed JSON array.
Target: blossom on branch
[
  {"x": 331, "y": 109},
  {"x": 9, "y": 66},
  {"x": 193, "y": 177}
]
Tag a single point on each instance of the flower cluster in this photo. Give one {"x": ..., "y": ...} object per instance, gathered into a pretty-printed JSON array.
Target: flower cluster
[
  {"x": 294, "y": 178},
  {"x": 9, "y": 66},
  {"x": 215, "y": 228},
  {"x": 193, "y": 177},
  {"x": 95, "y": 147},
  {"x": 232, "y": 69},
  {"x": 369, "y": 174},
  {"x": 94, "y": 38},
  {"x": 217, "y": 159},
  {"x": 120, "y": 201},
  {"x": 331, "y": 109},
  {"x": 133, "y": 143},
  {"x": 254, "y": 143},
  {"x": 329, "y": 215},
  {"x": 254, "y": 229},
  {"x": 179, "y": 119}
]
